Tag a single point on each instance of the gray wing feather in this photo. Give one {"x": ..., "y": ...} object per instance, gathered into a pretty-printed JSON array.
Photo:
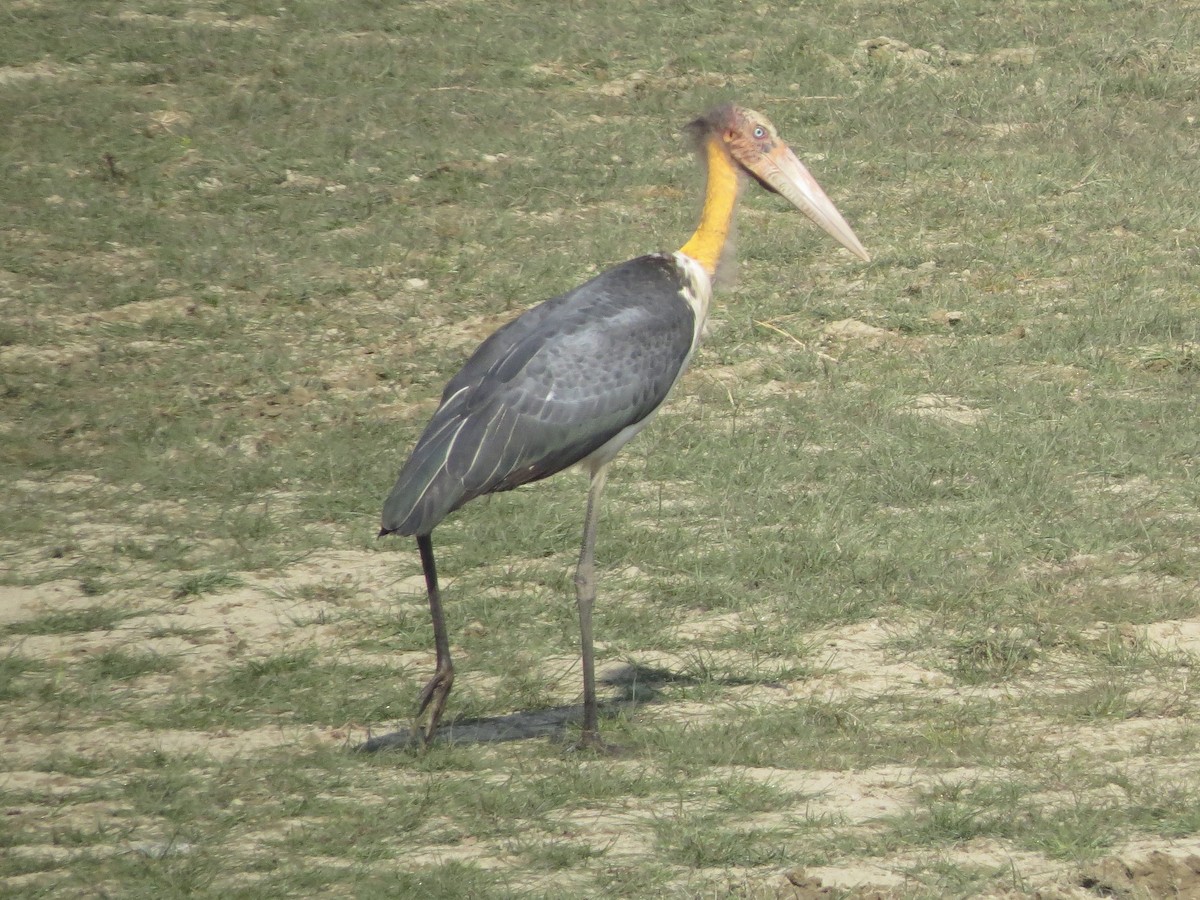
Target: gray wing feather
[{"x": 548, "y": 389}]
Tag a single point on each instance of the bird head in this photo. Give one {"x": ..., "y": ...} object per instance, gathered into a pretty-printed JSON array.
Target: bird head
[{"x": 755, "y": 149}]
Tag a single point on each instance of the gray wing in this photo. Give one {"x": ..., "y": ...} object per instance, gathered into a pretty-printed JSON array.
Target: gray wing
[{"x": 547, "y": 390}]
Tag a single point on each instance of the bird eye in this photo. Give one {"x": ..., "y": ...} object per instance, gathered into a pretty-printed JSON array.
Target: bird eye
[{"x": 760, "y": 132}]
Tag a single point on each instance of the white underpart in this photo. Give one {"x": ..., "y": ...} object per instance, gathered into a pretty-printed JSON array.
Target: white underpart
[
  {"x": 697, "y": 291},
  {"x": 696, "y": 288}
]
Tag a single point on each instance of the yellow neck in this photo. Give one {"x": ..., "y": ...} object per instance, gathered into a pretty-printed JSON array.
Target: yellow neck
[{"x": 720, "y": 199}]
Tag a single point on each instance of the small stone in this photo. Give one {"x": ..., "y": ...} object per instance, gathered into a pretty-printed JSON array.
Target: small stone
[
  {"x": 947, "y": 316},
  {"x": 1012, "y": 57}
]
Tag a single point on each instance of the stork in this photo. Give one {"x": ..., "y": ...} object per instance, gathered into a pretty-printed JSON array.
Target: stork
[{"x": 570, "y": 381}]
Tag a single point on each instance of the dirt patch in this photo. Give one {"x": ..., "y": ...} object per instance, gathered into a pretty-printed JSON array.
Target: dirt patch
[
  {"x": 38, "y": 70},
  {"x": 1178, "y": 636},
  {"x": 945, "y": 410},
  {"x": 110, "y": 744},
  {"x": 1159, "y": 875},
  {"x": 853, "y": 333}
]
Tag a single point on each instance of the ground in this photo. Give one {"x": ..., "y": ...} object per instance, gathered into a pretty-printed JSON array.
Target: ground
[{"x": 898, "y": 596}]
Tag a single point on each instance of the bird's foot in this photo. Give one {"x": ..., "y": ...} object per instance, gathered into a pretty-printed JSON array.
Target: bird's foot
[
  {"x": 591, "y": 742},
  {"x": 433, "y": 696}
]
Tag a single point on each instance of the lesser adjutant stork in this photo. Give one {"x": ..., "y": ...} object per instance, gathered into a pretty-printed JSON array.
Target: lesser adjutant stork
[{"x": 570, "y": 381}]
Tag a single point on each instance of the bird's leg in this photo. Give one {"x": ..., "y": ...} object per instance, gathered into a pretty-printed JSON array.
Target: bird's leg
[
  {"x": 435, "y": 692},
  {"x": 585, "y": 595}
]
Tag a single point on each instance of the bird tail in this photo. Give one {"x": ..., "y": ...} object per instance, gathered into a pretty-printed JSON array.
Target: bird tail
[{"x": 424, "y": 492}]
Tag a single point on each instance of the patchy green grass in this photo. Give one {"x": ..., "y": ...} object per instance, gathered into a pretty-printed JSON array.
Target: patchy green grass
[
  {"x": 75, "y": 621},
  {"x": 900, "y": 585},
  {"x": 205, "y": 583}
]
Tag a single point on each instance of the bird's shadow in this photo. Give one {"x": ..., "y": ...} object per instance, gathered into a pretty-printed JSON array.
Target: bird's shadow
[{"x": 637, "y": 686}]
